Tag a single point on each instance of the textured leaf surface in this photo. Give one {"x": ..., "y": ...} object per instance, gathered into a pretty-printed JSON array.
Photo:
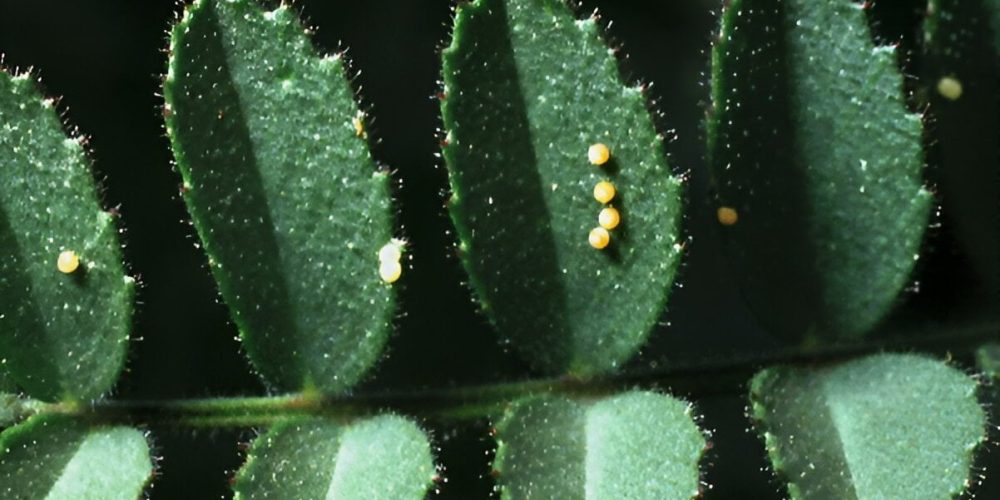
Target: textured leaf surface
[
  {"x": 61, "y": 335},
  {"x": 885, "y": 426},
  {"x": 55, "y": 458},
  {"x": 637, "y": 445},
  {"x": 963, "y": 47},
  {"x": 385, "y": 457},
  {"x": 812, "y": 145},
  {"x": 528, "y": 89},
  {"x": 283, "y": 192}
]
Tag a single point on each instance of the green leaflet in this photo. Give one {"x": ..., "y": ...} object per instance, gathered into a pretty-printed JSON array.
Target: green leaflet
[
  {"x": 963, "y": 49},
  {"x": 636, "y": 445},
  {"x": 385, "y": 457},
  {"x": 885, "y": 426},
  {"x": 283, "y": 192},
  {"x": 62, "y": 336},
  {"x": 811, "y": 143},
  {"x": 528, "y": 89},
  {"x": 56, "y": 458}
]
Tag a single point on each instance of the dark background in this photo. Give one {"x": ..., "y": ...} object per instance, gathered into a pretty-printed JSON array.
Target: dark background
[{"x": 105, "y": 57}]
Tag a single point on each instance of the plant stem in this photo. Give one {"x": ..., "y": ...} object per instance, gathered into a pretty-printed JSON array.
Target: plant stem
[{"x": 693, "y": 379}]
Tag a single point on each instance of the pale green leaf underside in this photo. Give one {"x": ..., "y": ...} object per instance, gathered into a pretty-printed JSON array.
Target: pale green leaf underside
[
  {"x": 637, "y": 445},
  {"x": 62, "y": 336},
  {"x": 811, "y": 143},
  {"x": 386, "y": 457},
  {"x": 283, "y": 192},
  {"x": 52, "y": 457},
  {"x": 885, "y": 426},
  {"x": 528, "y": 89}
]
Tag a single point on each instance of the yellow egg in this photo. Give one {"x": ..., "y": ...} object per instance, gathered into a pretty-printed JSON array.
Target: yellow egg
[
  {"x": 599, "y": 238},
  {"x": 604, "y": 191},
  {"x": 68, "y": 262},
  {"x": 390, "y": 270},
  {"x": 727, "y": 216},
  {"x": 359, "y": 125},
  {"x": 598, "y": 154},
  {"x": 390, "y": 252},
  {"x": 950, "y": 88},
  {"x": 609, "y": 218}
]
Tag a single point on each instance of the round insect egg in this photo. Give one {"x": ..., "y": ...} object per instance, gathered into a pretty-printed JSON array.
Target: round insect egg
[
  {"x": 68, "y": 262},
  {"x": 598, "y": 154},
  {"x": 950, "y": 88},
  {"x": 609, "y": 218},
  {"x": 390, "y": 252},
  {"x": 599, "y": 238},
  {"x": 390, "y": 271},
  {"x": 727, "y": 216},
  {"x": 604, "y": 191}
]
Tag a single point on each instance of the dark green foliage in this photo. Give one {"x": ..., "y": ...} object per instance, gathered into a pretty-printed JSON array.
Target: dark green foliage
[
  {"x": 386, "y": 457},
  {"x": 283, "y": 192},
  {"x": 528, "y": 89},
  {"x": 56, "y": 457},
  {"x": 636, "y": 445},
  {"x": 811, "y": 143},
  {"x": 963, "y": 46},
  {"x": 815, "y": 157},
  {"x": 885, "y": 426},
  {"x": 62, "y": 336}
]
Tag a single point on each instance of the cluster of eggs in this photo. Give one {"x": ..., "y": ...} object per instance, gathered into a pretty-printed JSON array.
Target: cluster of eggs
[
  {"x": 604, "y": 191},
  {"x": 390, "y": 269}
]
